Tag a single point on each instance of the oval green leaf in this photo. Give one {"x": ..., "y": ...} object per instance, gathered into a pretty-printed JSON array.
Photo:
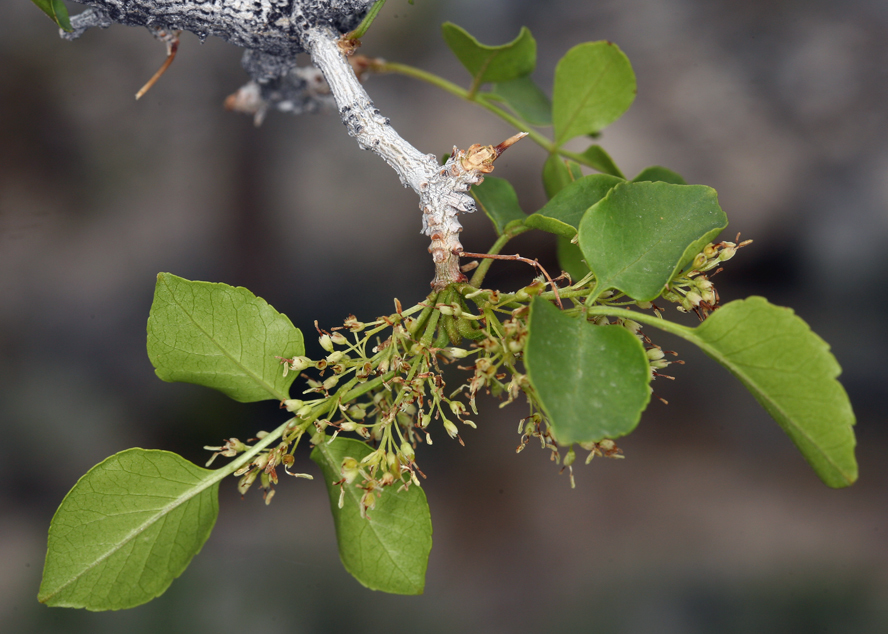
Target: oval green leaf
[
  {"x": 57, "y": 12},
  {"x": 222, "y": 337},
  {"x": 792, "y": 373},
  {"x": 641, "y": 234},
  {"x": 657, "y": 174},
  {"x": 492, "y": 63},
  {"x": 594, "y": 86},
  {"x": 127, "y": 529},
  {"x": 498, "y": 199},
  {"x": 562, "y": 214},
  {"x": 525, "y": 99},
  {"x": 389, "y": 549},
  {"x": 592, "y": 381}
]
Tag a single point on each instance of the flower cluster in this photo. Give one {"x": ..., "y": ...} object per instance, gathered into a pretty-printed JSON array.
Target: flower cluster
[{"x": 692, "y": 289}]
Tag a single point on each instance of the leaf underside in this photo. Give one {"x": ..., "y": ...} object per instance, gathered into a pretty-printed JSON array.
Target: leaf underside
[
  {"x": 127, "y": 529},
  {"x": 389, "y": 549},
  {"x": 222, "y": 337},
  {"x": 792, "y": 373}
]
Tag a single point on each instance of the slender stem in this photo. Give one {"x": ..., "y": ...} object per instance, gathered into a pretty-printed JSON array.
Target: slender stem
[
  {"x": 471, "y": 96},
  {"x": 485, "y": 265},
  {"x": 462, "y": 93},
  {"x": 248, "y": 455},
  {"x": 649, "y": 320},
  {"x": 366, "y": 22}
]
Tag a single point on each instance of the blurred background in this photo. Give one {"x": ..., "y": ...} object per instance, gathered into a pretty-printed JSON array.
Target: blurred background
[{"x": 712, "y": 523}]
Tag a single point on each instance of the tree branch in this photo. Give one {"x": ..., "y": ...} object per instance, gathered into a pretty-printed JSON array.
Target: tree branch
[{"x": 274, "y": 32}]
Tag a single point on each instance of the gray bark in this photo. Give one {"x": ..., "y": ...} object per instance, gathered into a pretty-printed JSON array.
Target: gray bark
[{"x": 274, "y": 32}]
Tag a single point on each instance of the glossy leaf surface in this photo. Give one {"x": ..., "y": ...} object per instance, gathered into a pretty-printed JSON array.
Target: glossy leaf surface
[
  {"x": 389, "y": 549},
  {"x": 592, "y": 380},
  {"x": 127, "y": 529},
  {"x": 594, "y": 86},
  {"x": 562, "y": 214},
  {"x": 641, "y": 234},
  {"x": 792, "y": 373},
  {"x": 498, "y": 199},
  {"x": 492, "y": 63},
  {"x": 222, "y": 337}
]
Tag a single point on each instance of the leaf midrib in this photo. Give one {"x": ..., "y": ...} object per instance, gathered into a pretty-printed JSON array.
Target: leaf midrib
[
  {"x": 592, "y": 87},
  {"x": 198, "y": 488}
]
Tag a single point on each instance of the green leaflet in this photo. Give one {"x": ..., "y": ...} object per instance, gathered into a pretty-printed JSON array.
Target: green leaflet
[
  {"x": 492, "y": 63},
  {"x": 562, "y": 214},
  {"x": 791, "y": 372},
  {"x": 222, "y": 337},
  {"x": 659, "y": 174},
  {"x": 389, "y": 550},
  {"x": 498, "y": 199},
  {"x": 57, "y": 12},
  {"x": 558, "y": 173},
  {"x": 599, "y": 159},
  {"x": 641, "y": 234},
  {"x": 127, "y": 529},
  {"x": 570, "y": 259},
  {"x": 594, "y": 86},
  {"x": 593, "y": 381},
  {"x": 525, "y": 99}
]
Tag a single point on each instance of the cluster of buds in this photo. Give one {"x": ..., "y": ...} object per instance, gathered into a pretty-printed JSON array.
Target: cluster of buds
[
  {"x": 264, "y": 467},
  {"x": 692, "y": 289},
  {"x": 377, "y": 470}
]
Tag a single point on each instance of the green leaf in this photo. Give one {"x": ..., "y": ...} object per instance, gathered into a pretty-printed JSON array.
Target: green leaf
[
  {"x": 570, "y": 259},
  {"x": 498, "y": 199},
  {"x": 525, "y": 99},
  {"x": 601, "y": 160},
  {"x": 594, "y": 86},
  {"x": 562, "y": 214},
  {"x": 592, "y": 381},
  {"x": 57, "y": 12},
  {"x": 659, "y": 174},
  {"x": 791, "y": 372},
  {"x": 492, "y": 63},
  {"x": 222, "y": 337},
  {"x": 641, "y": 234},
  {"x": 558, "y": 174},
  {"x": 127, "y": 529},
  {"x": 389, "y": 549}
]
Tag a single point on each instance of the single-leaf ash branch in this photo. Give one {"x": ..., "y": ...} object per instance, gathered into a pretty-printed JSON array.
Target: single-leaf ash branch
[{"x": 273, "y": 33}]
